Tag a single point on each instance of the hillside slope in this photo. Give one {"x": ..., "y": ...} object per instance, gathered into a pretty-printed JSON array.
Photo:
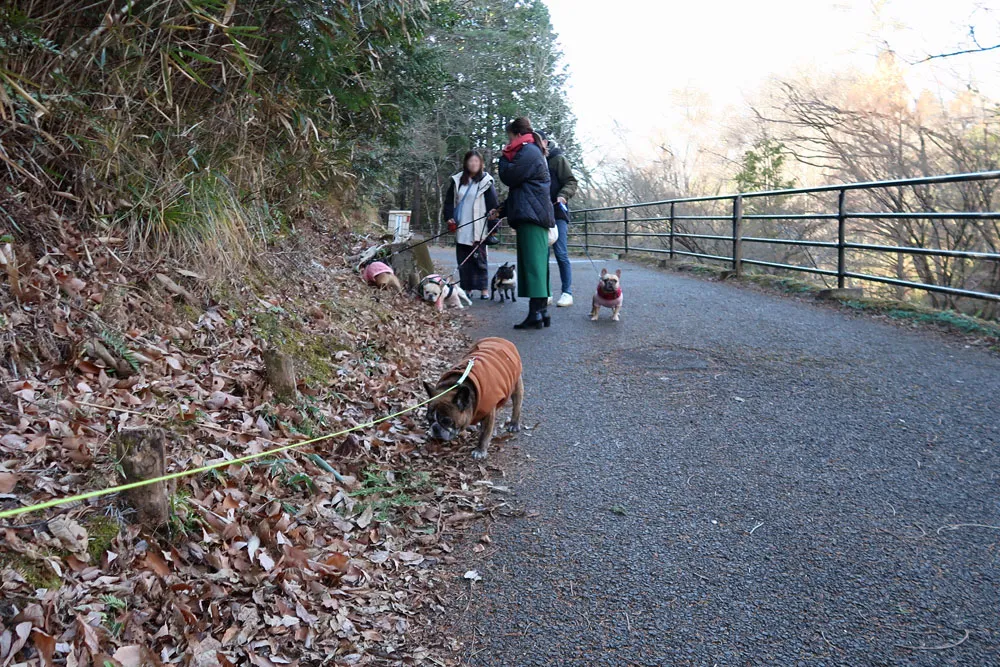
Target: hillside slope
[{"x": 328, "y": 554}]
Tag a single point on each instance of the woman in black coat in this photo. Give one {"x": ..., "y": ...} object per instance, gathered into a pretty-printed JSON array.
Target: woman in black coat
[{"x": 528, "y": 209}]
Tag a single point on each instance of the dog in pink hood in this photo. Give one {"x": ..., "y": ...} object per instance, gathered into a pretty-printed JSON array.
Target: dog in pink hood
[{"x": 381, "y": 275}]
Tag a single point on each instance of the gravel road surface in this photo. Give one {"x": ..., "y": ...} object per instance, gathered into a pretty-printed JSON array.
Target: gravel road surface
[{"x": 727, "y": 477}]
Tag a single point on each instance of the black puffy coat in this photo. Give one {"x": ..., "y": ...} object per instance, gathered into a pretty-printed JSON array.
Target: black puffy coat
[{"x": 527, "y": 176}]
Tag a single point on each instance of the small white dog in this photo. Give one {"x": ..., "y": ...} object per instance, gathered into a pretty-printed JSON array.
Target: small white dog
[{"x": 437, "y": 290}]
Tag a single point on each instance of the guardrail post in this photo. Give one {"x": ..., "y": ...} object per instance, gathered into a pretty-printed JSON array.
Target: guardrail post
[
  {"x": 738, "y": 235},
  {"x": 841, "y": 238},
  {"x": 625, "y": 220},
  {"x": 586, "y": 235},
  {"x": 671, "y": 230}
]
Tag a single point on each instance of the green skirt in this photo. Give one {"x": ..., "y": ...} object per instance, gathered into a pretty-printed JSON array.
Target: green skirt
[{"x": 532, "y": 261}]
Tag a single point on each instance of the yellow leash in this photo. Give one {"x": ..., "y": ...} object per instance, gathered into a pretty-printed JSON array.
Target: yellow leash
[{"x": 222, "y": 464}]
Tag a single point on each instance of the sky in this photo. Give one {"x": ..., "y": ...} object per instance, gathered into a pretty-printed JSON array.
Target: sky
[{"x": 629, "y": 58}]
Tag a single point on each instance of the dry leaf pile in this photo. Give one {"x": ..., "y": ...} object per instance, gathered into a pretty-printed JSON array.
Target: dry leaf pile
[{"x": 332, "y": 554}]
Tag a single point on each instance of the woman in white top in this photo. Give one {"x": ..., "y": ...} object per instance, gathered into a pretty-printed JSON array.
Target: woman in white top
[{"x": 471, "y": 196}]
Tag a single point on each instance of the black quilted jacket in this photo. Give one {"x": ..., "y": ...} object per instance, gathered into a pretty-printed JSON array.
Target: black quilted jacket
[{"x": 527, "y": 176}]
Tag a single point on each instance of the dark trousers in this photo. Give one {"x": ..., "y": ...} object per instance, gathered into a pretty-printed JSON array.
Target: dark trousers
[{"x": 474, "y": 274}]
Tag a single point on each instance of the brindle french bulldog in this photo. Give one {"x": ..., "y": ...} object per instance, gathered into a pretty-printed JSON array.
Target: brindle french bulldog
[
  {"x": 505, "y": 282},
  {"x": 495, "y": 377}
]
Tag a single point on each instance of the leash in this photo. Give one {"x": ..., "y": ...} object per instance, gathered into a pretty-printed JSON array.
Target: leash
[
  {"x": 592, "y": 263},
  {"x": 6, "y": 514},
  {"x": 478, "y": 245}
]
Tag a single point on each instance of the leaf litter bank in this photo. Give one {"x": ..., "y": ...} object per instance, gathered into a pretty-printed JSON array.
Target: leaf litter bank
[{"x": 335, "y": 555}]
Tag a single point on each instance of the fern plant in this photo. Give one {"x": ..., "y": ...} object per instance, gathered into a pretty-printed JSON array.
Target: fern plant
[{"x": 114, "y": 341}]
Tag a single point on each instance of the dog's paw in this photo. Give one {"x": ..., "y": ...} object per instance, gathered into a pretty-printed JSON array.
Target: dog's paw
[
  {"x": 513, "y": 428},
  {"x": 593, "y": 318},
  {"x": 479, "y": 454},
  {"x": 616, "y": 318}
]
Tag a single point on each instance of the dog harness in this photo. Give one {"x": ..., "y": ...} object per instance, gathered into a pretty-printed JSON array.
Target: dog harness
[
  {"x": 435, "y": 278},
  {"x": 494, "y": 375},
  {"x": 447, "y": 288}
]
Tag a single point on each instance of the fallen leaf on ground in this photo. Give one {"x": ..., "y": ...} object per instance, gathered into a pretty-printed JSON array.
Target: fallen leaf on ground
[
  {"x": 72, "y": 535},
  {"x": 8, "y": 481}
]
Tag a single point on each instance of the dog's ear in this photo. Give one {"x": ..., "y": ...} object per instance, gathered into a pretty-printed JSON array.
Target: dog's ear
[
  {"x": 463, "y": 397},
  {"x": 430, "y": 389},
  {"x": 604, "y": 272},
  {"x": 618, "y": 273},
  {"x": 512, "y": 266}
]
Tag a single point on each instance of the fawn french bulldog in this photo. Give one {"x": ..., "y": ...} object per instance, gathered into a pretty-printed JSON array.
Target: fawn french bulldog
[{"x": 609, "y": 294}]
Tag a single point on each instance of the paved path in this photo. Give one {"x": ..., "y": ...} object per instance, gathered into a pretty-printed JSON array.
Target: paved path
[{"x": 732, "y": 478}]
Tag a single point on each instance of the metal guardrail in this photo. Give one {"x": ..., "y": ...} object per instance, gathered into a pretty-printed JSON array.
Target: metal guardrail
[{"x": 632, "y": 241}]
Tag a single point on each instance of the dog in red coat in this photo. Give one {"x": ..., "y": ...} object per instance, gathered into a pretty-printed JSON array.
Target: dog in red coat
[{"x": 609, "y": 294}]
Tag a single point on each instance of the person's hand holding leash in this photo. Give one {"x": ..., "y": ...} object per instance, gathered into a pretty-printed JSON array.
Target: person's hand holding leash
[
  {"x": 493, "y": 215},
  {"x": 452, "y": 225}
]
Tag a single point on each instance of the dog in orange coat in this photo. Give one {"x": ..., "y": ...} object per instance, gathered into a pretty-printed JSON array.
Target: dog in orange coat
[{"x": 494, "y": 379}]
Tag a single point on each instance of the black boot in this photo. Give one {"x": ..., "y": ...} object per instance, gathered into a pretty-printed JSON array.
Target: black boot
[
  {"x": 534, "y": 318},
  {"x": 532, "y": 321},
  {"x": 546, "y": 320}
]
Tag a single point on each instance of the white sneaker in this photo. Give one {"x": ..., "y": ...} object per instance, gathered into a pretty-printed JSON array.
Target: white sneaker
[{"x": 565, "y": 300}]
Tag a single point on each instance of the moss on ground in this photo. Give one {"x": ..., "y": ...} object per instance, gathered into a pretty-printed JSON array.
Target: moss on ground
[
  {"x": 702, "y": 270},
  {"x": 186, "y": 313},
  {"x": 313, "y": 353},
  {"x": 782, "y": 283},
  {"x": 101, "y": 530},
  {"x": 901, "y": 310},
  {"x": 37, "y": 573}
]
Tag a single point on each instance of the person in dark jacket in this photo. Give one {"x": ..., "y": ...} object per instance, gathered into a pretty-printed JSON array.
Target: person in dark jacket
[
  {"x": 562, "y": 187},
  {"x": 528, "y": 209},
  {"x": 471, "y": 196}
]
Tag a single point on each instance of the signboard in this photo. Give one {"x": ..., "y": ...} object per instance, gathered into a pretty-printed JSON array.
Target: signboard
[{"x": 399, "y": 224}]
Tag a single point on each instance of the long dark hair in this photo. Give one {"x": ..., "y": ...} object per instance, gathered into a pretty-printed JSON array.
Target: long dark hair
[
  {"x": 522, "y": 125},
  {"x": 466, "y": 175}
]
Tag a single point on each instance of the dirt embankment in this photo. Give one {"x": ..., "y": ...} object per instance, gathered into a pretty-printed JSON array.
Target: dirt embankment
[{"x": 332, "y": 553}]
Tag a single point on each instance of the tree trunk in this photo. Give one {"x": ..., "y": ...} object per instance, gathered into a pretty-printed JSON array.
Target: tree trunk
[
  {"x": 488, "y": 142},
  {"x": 400, "y": 200},
  {"x": 438, "y": 190},
  {"x": 279, "y": 369},
  {"x": 142, "y": 455},
  {"x": 416, "y": 208}
]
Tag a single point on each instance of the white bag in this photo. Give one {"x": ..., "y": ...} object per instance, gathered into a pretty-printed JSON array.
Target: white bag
[{"x": 553, "y": 234}]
